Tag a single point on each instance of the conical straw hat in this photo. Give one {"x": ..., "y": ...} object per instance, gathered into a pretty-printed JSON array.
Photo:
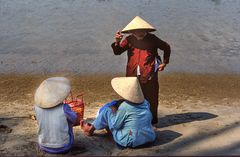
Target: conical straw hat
[
  {"x": 128, "y": 88},
  {"x": 136, "y": 24},
  {"x": 52, "y": 92}
]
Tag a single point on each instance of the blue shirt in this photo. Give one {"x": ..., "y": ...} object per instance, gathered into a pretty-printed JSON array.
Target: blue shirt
[{"x": 130, "y": 125}]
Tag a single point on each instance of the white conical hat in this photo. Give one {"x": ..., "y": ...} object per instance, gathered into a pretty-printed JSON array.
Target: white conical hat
[
  {"x": 128, "y": 88},
  {"x": 52, "y": 92},
  {"x": 136, "y": 24}
]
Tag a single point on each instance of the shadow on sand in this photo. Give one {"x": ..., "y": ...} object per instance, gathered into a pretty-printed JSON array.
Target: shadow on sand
[
  {"x": 184, "y": 143},
  {"x": 174, "y": 119},
  {"x": 167, "y": 136}
]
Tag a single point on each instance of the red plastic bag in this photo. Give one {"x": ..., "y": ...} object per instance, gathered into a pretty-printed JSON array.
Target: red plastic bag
[{"x": 77, "y": 105}]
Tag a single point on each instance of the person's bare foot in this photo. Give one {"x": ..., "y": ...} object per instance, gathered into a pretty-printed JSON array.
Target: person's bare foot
[
  {"x": 154, "y": 126},
  {"x": 87, "y": 128},
  {"x": 108, "y": 131}
]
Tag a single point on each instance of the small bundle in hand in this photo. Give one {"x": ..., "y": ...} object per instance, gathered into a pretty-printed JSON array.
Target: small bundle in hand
[{"x": 77, "y": 105}]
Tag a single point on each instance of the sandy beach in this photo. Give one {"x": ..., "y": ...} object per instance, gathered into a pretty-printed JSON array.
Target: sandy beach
[
  {"x": 199, "y": 100},
  {"x": 198, "y": 115}
]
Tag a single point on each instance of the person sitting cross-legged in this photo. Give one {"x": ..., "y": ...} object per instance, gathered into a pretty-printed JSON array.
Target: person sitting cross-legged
[
  {"x": 129, "y": 120},
  {"x": 55, "y": 119}
]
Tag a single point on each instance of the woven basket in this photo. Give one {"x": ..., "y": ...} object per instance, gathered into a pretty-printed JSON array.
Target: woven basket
[{"x": 77, "y": 105}]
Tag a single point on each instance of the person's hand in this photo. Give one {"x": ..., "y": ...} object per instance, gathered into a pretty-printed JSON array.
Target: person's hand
[
  {"x": 87, "y": 128},
  {"x": 161, "y": 67},
  {"x": 118, "y": 36}
]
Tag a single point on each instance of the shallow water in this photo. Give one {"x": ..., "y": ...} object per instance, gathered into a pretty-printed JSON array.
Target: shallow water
[{"x": 75, "y": 35}]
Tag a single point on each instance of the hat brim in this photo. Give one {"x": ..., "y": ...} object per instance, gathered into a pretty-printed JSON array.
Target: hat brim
[
  {"x": 128, "y": 88},
  {"x": 52, "y": 92},
  {"x": 143, "y": 29}
]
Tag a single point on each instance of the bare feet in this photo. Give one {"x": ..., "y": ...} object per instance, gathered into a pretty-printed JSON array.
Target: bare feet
[
  {"x": 154, "y": 126},
  {"x": 87, "y": 128},
  {"x": 108, "y": 131}
]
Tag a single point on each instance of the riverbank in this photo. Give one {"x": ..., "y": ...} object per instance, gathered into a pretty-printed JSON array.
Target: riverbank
[{"x": 198, "y": 114}]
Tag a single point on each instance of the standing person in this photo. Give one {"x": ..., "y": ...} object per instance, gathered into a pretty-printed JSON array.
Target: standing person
[
  {"x": 129, "y": 119},
  {"x": 143, "y": 59},
  {"x": 55, "y": 119}
]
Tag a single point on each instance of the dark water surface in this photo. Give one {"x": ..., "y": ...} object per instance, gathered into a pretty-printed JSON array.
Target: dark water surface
[{"x": 48, "y": 36}]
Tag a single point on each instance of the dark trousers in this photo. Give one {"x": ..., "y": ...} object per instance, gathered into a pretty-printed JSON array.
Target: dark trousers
[{"x": 150, "y": 91}]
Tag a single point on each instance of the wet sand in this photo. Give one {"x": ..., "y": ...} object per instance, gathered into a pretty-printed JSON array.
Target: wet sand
[{"x": 198, "y": 115}]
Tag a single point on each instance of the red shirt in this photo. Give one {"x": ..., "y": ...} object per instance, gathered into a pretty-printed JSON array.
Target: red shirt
[{"x": 142, "y": 53}]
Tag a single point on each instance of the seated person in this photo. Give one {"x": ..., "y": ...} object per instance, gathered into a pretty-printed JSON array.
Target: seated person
[
  {"x": 130, "y": 123},
  {"x": 55, "y": 119}
]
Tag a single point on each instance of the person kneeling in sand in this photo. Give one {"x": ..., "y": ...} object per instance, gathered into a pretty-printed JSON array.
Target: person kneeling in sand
[
  {"x": 55, "y": 119},
  {"x": 130, "y": 123}
]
